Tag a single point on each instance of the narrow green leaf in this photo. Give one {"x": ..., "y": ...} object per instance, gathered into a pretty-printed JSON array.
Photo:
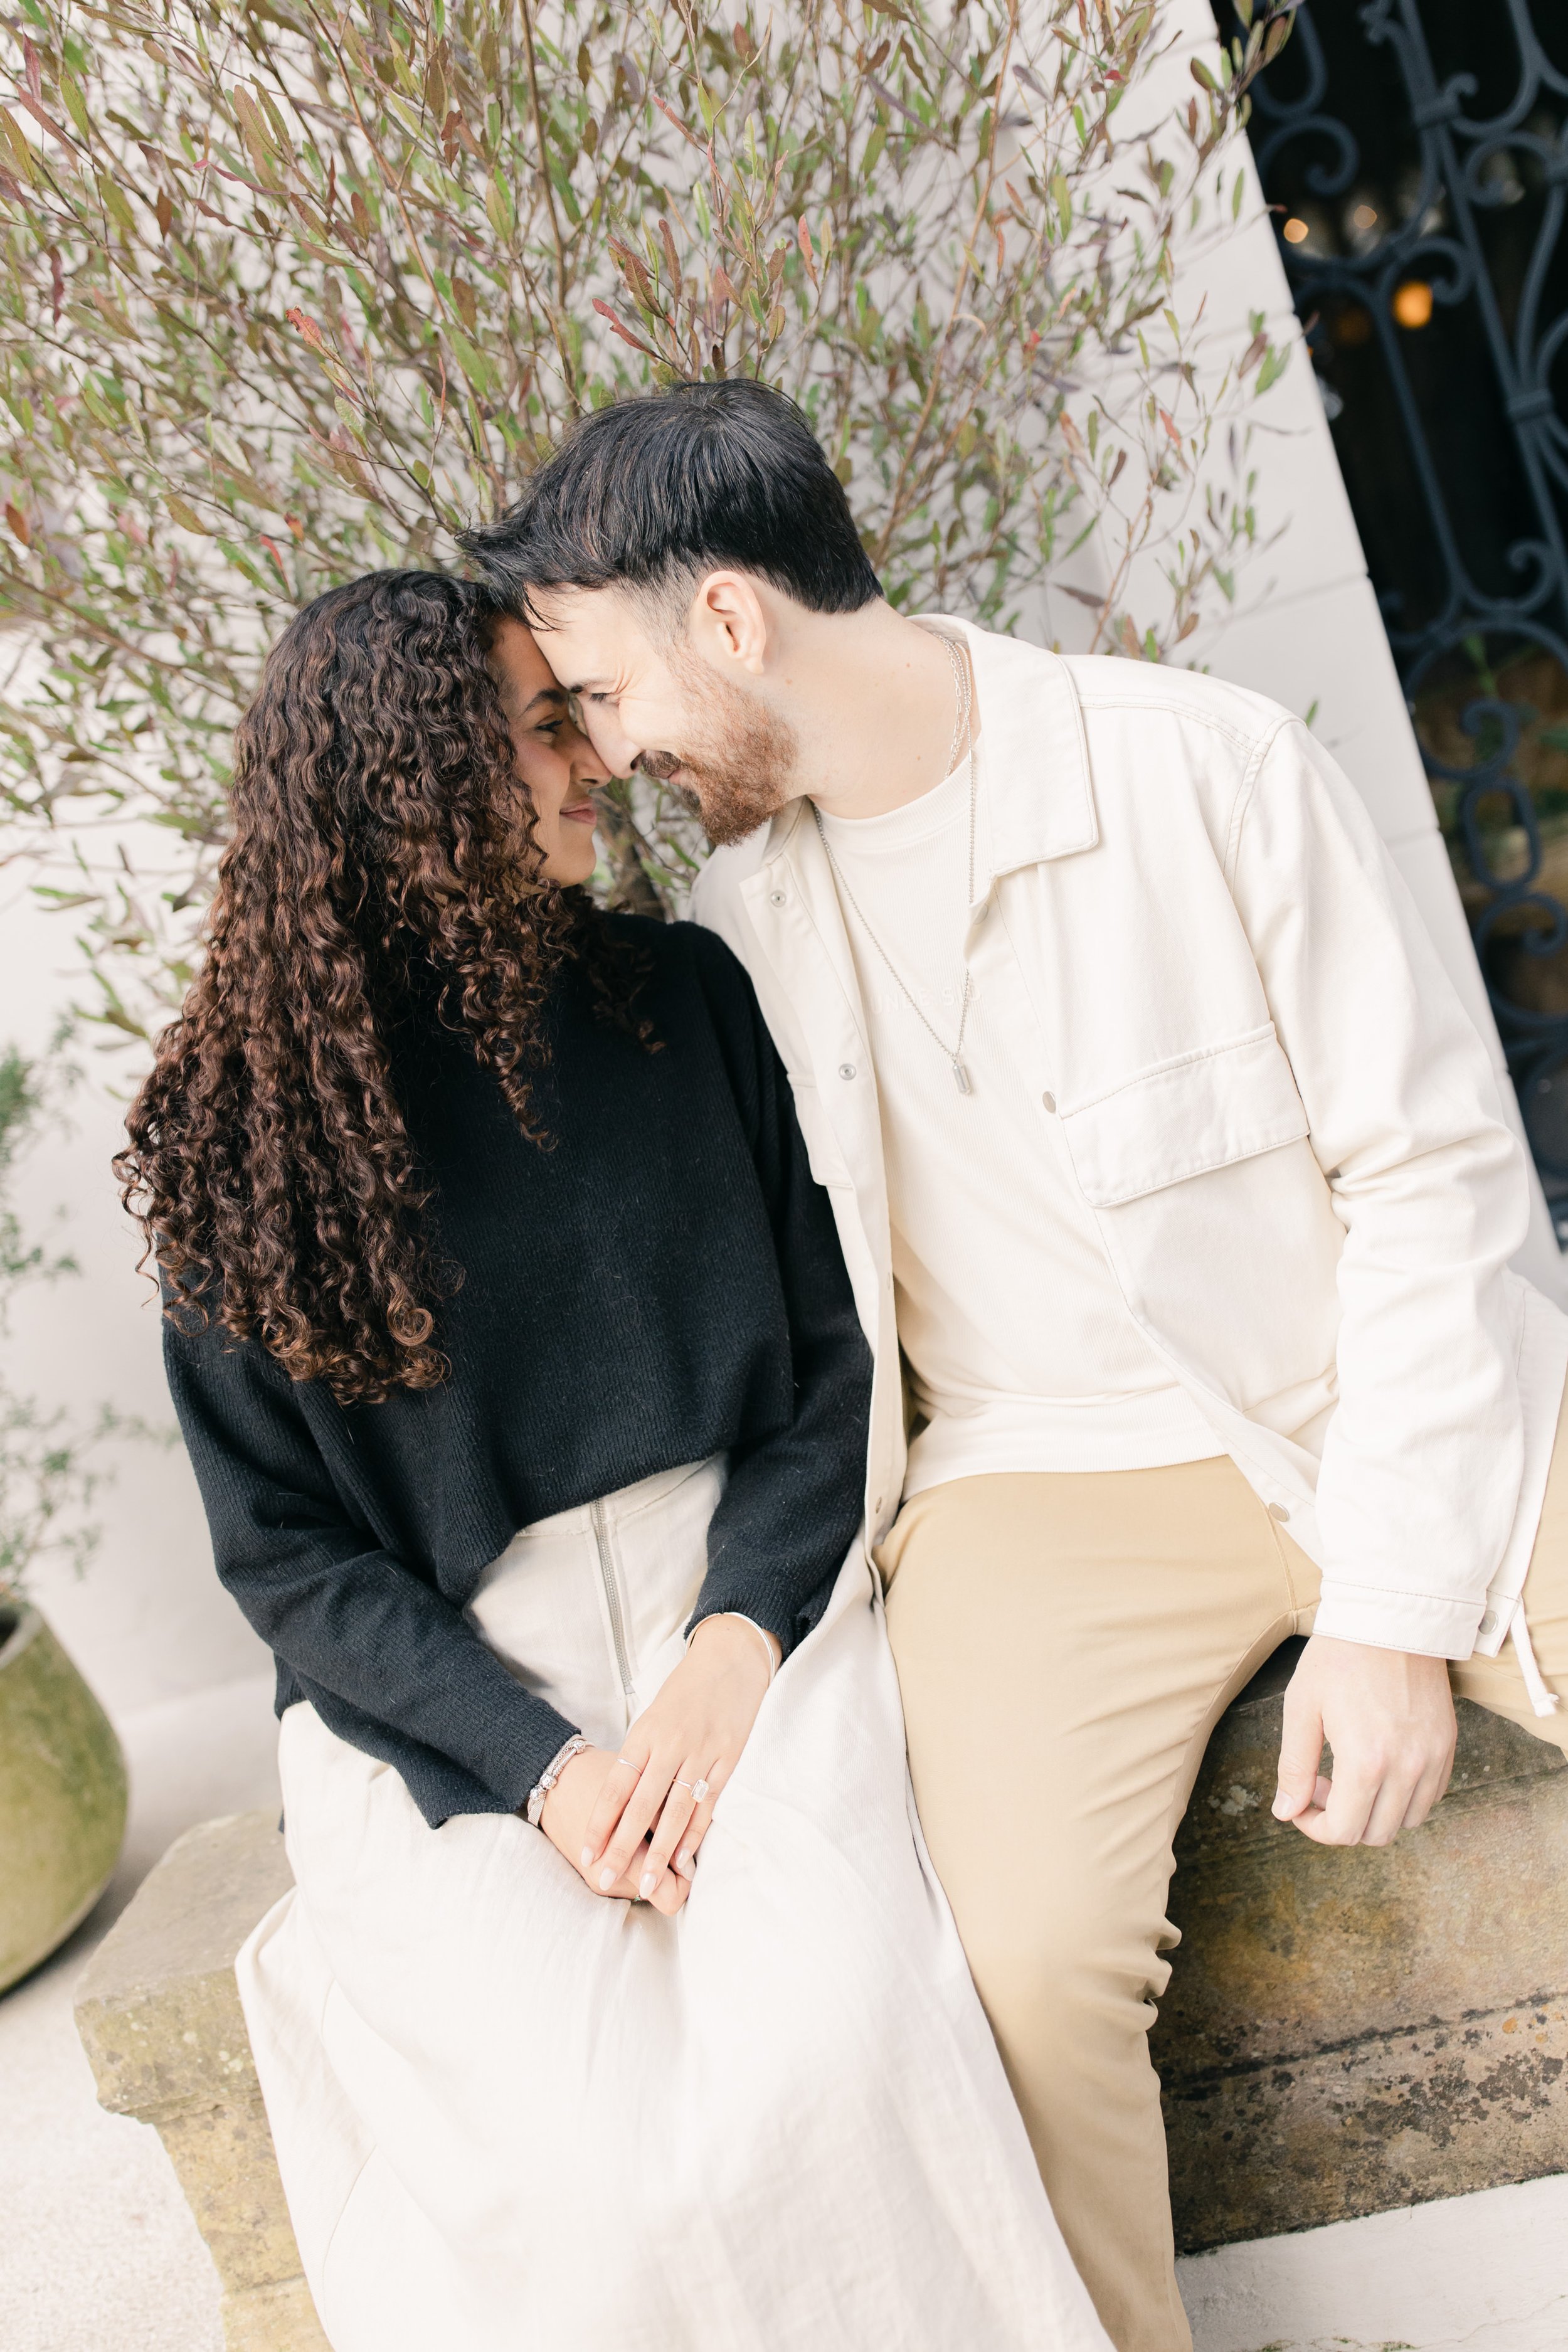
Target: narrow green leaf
[{"x": 498, "y": 208}]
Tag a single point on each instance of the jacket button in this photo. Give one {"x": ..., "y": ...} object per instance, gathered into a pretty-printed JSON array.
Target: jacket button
[
  {"x": 846, "y": 1069},
  {"x": 1277, "y": 1511},
  {"x": 1488, "y": 1624},
  {"x": 1049, "y": 1101},
  {"x": 776, "y": 898}
]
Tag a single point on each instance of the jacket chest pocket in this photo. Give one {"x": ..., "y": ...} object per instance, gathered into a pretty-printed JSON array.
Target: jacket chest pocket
[{"x": 1185, "y": 1117}]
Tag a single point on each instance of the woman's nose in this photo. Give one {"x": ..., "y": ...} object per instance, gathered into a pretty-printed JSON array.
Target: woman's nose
[{"x": 588, "y": 763}]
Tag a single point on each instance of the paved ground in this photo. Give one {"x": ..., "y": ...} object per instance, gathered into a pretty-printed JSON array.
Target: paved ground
[
  {"x": 1486, "y": 2274},
  {"x": 102, "y": 2254}
]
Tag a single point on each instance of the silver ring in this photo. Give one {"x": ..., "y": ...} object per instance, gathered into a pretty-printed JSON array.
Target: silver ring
[
  {"x": 629, "y": 1765},
  {"x": 686, "y": 1786},
  {"x": 699, "y": 1791}
]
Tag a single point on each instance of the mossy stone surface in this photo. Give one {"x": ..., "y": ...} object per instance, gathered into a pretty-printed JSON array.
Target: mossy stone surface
[
  {"x": 1354, "y": 2029},
  {"x": 62, "y": 1795}
]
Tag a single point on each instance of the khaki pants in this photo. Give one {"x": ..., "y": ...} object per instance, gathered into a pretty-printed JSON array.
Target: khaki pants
[{"x": 1066, "y": 1644}]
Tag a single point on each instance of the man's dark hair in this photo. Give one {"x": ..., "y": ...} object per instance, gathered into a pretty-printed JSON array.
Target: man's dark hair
[{"x": 650, "y": 493}]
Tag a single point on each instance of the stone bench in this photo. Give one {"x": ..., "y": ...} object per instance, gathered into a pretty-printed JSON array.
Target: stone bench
[
  {"x": 1345, "y": 2032},
  {"x": 158, "y": 2011}
]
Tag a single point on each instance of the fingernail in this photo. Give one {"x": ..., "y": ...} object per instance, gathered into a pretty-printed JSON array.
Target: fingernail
[
  {"x": 607, "y": 1880},
  {"x": 646, "y": 1884},
  {"x": 587, "y": 1858},
  {"x": 1280, "y": 1809},
  {"x": 683, "y": 1862}
]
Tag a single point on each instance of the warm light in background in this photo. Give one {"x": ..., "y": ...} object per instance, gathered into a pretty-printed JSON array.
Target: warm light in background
[
  {"x": 1364, "y": 216},
  {"x": 1413, "y": 302},
  {"x": 1296, "y": 232}
]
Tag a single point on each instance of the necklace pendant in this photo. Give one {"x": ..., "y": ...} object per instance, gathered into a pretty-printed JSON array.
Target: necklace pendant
[{"x": 961, "y": 1078}]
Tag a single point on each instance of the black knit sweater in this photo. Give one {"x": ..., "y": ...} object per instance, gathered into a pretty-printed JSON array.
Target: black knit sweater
[{"x": 662, "y": 1284}]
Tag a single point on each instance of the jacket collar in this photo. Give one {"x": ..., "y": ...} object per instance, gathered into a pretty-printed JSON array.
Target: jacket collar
[
  {"x": 1037, "y": 785},
  {"x": 1039, "y": 789}
]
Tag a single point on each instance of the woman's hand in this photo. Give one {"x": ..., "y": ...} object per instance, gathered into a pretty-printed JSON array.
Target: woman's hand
[
  {"x": 569, "y": 1808},
  {"x": 692, "y": 1734}
]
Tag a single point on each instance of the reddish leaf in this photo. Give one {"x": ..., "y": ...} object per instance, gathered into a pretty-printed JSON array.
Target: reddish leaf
[
  {"x": 241, "y": 182},
  {"x": 19, "y": 524},
  {"x": 47, "y": 121},
  {"x": 624, "y": 334},
  {"x": 308, "y": 328},
  {"x": 673, "y": 117}
]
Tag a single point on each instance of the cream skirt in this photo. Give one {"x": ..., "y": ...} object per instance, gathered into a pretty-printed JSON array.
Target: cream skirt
[{"x": 513, "y": 2116}]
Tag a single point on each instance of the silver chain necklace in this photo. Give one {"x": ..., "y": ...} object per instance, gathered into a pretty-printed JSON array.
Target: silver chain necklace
[{"x": 954, "y": 1055}]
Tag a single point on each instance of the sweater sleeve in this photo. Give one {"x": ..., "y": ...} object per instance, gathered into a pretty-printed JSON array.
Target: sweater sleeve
[
  {"x": 794, "y": 1500},
  {"x": 392, "y": 1666}
]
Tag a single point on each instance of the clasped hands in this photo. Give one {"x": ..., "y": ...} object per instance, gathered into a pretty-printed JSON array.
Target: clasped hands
[
  {"x": 1388, "y": 1716},
  {"x": 630, "y": 1823}
]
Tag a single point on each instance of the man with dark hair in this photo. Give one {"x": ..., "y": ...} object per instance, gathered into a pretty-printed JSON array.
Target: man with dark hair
[{"x": 1167, "y": 1160}]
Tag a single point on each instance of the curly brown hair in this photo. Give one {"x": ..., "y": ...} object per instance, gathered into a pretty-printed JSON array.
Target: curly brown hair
[{"x": 384, "y": 847}]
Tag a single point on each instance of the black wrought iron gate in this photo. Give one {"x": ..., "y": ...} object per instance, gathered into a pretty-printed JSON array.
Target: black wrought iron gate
[{"x": 1416, "y": 152}]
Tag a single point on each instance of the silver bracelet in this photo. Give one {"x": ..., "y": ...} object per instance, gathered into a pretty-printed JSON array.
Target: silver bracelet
[{"x": 549, "y": 1777}]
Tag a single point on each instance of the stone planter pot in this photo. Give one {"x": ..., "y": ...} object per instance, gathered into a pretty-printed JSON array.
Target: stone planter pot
[{"x": 62, "y": 1794}]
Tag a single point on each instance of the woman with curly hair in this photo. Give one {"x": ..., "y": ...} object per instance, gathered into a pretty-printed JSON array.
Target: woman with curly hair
[{"x": 613, "y": 2005}]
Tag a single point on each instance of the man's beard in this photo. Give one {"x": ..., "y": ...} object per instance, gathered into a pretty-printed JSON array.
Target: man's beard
[{"x": 740, "y": 764}]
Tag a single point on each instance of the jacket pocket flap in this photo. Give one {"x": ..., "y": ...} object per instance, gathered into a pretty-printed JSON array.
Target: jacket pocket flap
[
  {"x": 1184, "y": 1118},
  {"x": 828, "y": 1164}
]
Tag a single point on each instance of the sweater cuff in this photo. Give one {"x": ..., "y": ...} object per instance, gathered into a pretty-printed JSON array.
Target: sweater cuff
[
  {"x": 1417, "y": 1622},
  {"x": 770, "y": 1617},
  {"x": 542, "y": 1734}
]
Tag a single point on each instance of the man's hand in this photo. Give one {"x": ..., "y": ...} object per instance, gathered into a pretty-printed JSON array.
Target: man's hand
[
  {"x": 569, "y": 1808},
  {"x": 1389, "y": 1718}
]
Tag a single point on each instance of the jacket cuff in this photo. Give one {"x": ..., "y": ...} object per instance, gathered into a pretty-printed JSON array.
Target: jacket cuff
[{"x": 1414, "y": 1621}]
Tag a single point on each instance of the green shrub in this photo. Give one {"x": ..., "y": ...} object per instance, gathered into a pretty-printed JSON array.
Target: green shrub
[{"x": 289, "y": 290}]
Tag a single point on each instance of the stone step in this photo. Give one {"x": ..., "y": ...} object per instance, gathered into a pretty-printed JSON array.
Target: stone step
[{"x": 1347, "y": 2031}]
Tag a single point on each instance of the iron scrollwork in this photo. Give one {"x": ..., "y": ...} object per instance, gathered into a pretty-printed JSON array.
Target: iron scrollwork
[{"x": 1453, "y": 152}]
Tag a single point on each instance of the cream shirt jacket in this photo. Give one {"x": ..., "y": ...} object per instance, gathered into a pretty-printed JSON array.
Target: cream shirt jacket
[{"x": 1285, "y": 1125}]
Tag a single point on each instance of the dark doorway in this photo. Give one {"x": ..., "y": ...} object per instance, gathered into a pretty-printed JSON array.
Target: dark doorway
[{"x": 1415, "y": 156}]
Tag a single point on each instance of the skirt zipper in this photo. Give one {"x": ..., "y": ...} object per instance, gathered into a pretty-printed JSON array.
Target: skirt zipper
[{"x": 613, "y": 1603}]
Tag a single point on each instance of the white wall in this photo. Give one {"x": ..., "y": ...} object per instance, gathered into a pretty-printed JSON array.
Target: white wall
[{"x": 149, "y": 1620}]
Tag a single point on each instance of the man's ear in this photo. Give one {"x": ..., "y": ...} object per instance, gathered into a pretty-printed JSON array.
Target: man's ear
[{"x": 728, "y": 622}]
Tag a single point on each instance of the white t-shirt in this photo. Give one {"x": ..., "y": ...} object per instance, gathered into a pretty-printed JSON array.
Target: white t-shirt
[{"x": 1022, "y": 1354}]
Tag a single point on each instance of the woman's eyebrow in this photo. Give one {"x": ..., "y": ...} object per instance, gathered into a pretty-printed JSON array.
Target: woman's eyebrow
[{"x": 545, "y": 694}]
